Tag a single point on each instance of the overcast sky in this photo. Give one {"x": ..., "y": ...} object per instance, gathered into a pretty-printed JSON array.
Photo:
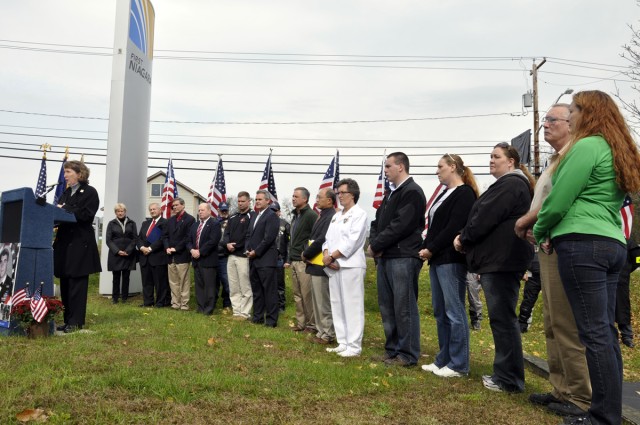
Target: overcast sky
[{"x": 433, "y": 77}]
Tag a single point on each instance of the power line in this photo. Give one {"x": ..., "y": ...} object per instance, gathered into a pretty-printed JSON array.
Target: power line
[{"x": 513, "y": 114}]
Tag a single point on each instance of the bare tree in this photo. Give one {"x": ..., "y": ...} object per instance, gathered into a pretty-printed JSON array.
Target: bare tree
[{"x": 632, "y": 54}]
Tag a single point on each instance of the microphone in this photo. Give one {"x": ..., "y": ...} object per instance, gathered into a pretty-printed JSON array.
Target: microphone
[{"x": 51, "y": 186}]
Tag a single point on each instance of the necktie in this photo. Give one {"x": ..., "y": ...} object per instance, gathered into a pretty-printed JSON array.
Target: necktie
[
  {"x": 153, "y": 224},
  {"x": 198, "y": 234}
]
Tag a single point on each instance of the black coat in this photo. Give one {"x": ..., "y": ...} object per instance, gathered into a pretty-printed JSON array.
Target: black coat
[
  {"x": 117, "y": 240},
  {"x": 262, "y": 239},
  {"x": 155, "y": 241},
  {"x": 209, "y": 238},
  {"x": 488, "y": 238},
  {"x": 448, "y": 220},
  {"x": 397, "y": 230},
  {"x": 318, "y": 236},
  {"x": 178, "y": 237},
  {"x": 75, "y": 251}
]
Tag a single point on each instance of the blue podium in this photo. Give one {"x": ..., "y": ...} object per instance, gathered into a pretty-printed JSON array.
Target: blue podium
[{"x": 27, "y": 227}]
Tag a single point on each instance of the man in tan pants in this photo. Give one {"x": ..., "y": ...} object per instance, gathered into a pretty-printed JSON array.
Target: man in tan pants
[{"x": 568, "y": 373}]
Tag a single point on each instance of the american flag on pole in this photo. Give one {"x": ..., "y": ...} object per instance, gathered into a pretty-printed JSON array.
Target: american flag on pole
[
  {"x": 331, "y": 177},
  {"x": 218, "y": 190},
  {"x": 169, "y": 192},
  {"x": 436, "y": 192},
  {"x": 62, "y": 184},
  {"x": 38, "y": 305},
  {"x": 41, "y": 186},
  {"x": 381, "y": 188},
  {"x": 268, "y": 183},
  {"x": 626, "y": 212}
]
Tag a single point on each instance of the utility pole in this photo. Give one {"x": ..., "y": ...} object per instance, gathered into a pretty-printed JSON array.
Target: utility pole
[{"x": 536, "y": 118}]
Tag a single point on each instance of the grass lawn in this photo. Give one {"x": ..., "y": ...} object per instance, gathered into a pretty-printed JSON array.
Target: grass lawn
[{"x": 160, "y": 366}]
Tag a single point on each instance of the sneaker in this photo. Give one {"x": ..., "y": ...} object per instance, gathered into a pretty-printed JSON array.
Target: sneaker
[
  {"x": 490, "y": 384},
  {"x": 543, "y": 399},
  {"x": 349, "y": 353},
  {"x": 566, "y": 409},
  {"x": 430, "y": 367},
  {"x": 339, "y": 349},
  {"x": 445, "y": 372}
]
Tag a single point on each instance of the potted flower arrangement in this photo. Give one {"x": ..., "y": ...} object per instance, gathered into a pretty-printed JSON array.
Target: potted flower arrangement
[{"x": 22, "y": 313}]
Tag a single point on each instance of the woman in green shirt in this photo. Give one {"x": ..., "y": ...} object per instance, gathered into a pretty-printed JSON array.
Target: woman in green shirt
[{"x": 580, "y": 219}]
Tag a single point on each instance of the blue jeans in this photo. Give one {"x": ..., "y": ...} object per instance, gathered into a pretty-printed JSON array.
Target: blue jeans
[
  {"x": 398, "y": 301},
  {"x": 448, "y": 287},
  {"x": 501, "y": 292},
  {"x": 589, "y": 271}
]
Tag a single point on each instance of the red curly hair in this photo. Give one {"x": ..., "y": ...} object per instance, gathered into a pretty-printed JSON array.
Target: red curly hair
[{"x": 601, "y": 116}]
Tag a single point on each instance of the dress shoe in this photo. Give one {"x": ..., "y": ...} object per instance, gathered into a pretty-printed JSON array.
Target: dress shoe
[
  {"x": 124, "y": 301},
  {"x": 382, "y": 357},
  {"x": 339, "y": 349},
  {"x": 349, "y": 353},
  {"x": 239, "y": 318},
  {"x": 576, "y": 420},
  {"x": 256, "y": 321},
  {"x": 72, "y": 328},
  {"x": 321, "y": 341},
  {"x": 475, "y": 326},
  {"x": 297, "y": 328},
  {"x": 430, "y": 367},
  {"x": 270, "y": 325},
  {"x": 62, "y": 327},
  {"x": 114, "y": 301},
  {"x": 543, "y": 399},
  {"x": 566, "y": 409},
  {"x": 145, "y": 305},
  {"x": 445, "y": 372},
  {"x": 399, "y": 361},
  {"x": 309, "y": 331}
]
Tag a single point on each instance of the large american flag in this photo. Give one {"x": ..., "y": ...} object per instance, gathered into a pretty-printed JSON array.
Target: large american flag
[
  {"x": 381, "y": 188},
  {"x": 331, "y": 177},
  {"x": 169, "y": 192},
  {"x": 218, "y": 190},
  {"x": 62, "y": 184},
  {"x": 626, "y": 212},
  {"x": 38, "y": 305},
  {"x": 268, "y": 183},
  {"x": 436, "y": 192},
  {"x": 41, "y": 186}
]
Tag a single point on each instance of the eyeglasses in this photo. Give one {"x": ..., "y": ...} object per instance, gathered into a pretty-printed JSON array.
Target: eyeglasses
[{"x": 552, "y": 120}]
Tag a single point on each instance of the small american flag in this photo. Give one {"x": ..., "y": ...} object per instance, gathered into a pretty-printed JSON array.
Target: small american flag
[
  {"x": 626, "y": 212},
  {"x": 331, "y": 177},
  {"x": 268, "y": 183},
  {"x": 169, "y": 192},
  {"x": 436, "y": 192},
  {"x": 382, "y": 187},
  {"x": 19, "y": 296},
  {"x": 38, "y": 305},
  {"x": 218, "y": 190},
  {"x": 41, "y": 187}
]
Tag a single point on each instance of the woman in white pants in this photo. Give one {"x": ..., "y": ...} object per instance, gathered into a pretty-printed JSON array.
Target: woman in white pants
[{"x": 346, "y": 265}]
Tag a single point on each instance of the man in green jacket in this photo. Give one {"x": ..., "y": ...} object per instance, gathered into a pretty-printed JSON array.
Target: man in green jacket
[{"x": 301, "y": 225}]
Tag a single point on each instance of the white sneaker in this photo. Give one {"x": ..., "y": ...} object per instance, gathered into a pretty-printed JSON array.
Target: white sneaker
[
  {"x": 348, "y": 353},
  {"x": 430, "y": 367},
  {"x": 445, "y": 372},
  {"x": 490, "y": 384},
  {"x": 339, "y": 349}
]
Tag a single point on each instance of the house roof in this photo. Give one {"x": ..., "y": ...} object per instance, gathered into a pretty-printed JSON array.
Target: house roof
[{"x": 164, "y": 175}]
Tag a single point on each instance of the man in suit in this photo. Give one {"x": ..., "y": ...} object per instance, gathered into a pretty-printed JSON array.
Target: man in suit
[
  {"x": 263, "y": 260},
  {"x": 178, "y": 256},
  {"x": 203, "y": 245},
  {"x": 153, "y": 259},
  {"x": 6, "y": 284}
]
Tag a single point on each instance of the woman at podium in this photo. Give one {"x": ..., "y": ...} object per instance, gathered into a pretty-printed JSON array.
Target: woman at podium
[{"x": 75, "y": 251}]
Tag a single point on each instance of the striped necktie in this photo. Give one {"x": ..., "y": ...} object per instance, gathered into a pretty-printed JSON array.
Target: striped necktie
[{"x": 198, "y": 234}]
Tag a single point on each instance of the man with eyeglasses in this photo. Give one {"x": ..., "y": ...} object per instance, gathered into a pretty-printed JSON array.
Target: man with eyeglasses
[
  {"x": 153, "y": 259},
  {"x": 178, "y": 256},
  {"x": 568, "y": 373},
  {"x": 395, "y": 239}
]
